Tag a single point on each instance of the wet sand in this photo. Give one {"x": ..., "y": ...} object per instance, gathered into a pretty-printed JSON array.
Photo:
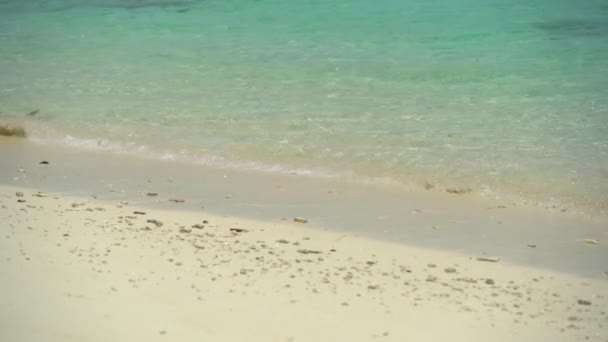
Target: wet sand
[{"x": 96, "y": 258}]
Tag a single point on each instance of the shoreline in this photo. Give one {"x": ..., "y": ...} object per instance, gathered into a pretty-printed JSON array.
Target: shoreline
[
  {"x": 460, "y": 223},
  {"x": 100, "y": 247},
  {"x": 578, "y": 203}
]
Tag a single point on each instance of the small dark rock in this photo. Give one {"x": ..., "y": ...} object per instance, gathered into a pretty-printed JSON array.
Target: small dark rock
[
  {"x": 308, "y": 251},
  {"x": 490, "y": 281},
  {"x": 450, "y": 270},
  {"x": 185, "y": 230},
  {"x": 238, "y": 230},
  {"x": 44, "y": 162},
  {"x": 33, "y": 113},
  {"x": 458, "y": 191},
  {"x": 489, "y": 259},
  {"x": 198, "y": 226},
  {"x": 584, "y": 302},
  {"x": 139, "y": 213},
  {"x": 157, "y": 223}
]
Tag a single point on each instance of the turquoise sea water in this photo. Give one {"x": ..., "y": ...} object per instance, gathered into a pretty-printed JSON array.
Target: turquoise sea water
[{"x": 507, "y": 98}]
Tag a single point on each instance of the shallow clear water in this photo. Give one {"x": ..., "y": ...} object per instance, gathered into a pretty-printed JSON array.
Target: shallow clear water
[{"x": 500, "y": 97}]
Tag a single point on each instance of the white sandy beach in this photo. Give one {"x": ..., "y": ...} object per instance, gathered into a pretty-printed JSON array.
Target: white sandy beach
[{"x": 95, "y": 267}]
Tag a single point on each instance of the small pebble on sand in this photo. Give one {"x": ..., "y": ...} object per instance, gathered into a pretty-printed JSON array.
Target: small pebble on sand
[
  {"x": 300, "y": 220},
  {"x": 584, "y": 302}
]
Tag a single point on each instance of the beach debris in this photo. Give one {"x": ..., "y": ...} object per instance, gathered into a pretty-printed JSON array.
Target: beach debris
[
  {"x": 300, "y": 220},
  {"x": 21, "y": 170},
  {"x": 8, "y": 130},
  {"x": 590, "y": 241},
  {"x": 490, "y": 281},
  {"x": 373, "y": 287},
  {"x": 583, "y": 302},
  {"x": 458, "y": 191},
  {"x": 238, "y": 230},
  {"x": 532, "y": 245},
  {"x": 488, "y": 259},
  {"x": 283, "y": 241},
  {"x": 157, "y": 223},
  {"x": 33, "y": 113},
  {"x": 40, "y": 194},
  {"x": 428, "y": 185},
  {"x": 184, "y": 229},
  {"x": 450, "y": 270},
  {"x": 309, "y": 251},
  {"x": 151, "y": 194},
  {"x": 177, "y": 200},
  {"x": 198, "y": 226},
  {"x": 44, "y": 162},
  {"x": 19, "y": 194},
  {"x": 467, "y": 280},
  {"x": 21, "y": 200},
  {"x": 139, "y": 213}
]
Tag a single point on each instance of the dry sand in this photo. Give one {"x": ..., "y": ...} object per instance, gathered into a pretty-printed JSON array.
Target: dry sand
[{"x": 86, "y": 268}]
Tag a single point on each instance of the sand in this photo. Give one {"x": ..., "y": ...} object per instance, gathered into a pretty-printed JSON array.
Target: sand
[{"x": 126, "y": 264}]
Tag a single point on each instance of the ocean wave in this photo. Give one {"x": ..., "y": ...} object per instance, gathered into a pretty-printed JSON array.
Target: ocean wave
[
  {"x": 348, "y": 176},
  {"x": 146, "y": 152}
]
